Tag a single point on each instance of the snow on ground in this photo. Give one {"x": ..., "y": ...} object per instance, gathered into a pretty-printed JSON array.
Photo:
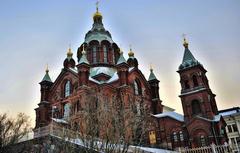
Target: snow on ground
[{"x": 151, "y": 150}]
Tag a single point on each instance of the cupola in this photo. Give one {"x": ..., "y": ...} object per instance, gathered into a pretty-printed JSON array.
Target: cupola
[
  {"x": 69, "y": 62},
  {"x": 132, "y": 61}
]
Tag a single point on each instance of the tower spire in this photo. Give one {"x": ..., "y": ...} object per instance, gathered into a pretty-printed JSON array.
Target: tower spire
[
  {"x": 185, "y": 43},
  {"x": 151, "y": 68},
  {"x": 83, "y": 59},
  {"x": 152, "y": 75},
  {"x": 188, "y": 58},
  {"x": 46, "y": 76},
  {"x": 121, "y": 58},
  {"x": 47, "y": 70}
]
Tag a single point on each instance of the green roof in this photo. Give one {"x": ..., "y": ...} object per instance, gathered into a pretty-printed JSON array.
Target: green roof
[
  {"x": 121, "y": 59},
  {"x": 46, "y": 77},
  {"x": 83, "y": 59},
  {"x": 187, "y": 55},
  {"x": 188, "y": 60},
  {"x": 152, "y": 76},
  {"x": 98, "y": 32}
]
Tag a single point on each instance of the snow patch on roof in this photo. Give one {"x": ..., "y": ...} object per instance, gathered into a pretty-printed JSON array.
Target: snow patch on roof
[
  {"x": 194, "y": 91},
  {"x": 229, "y": 113},
  {"x": 105, "y": 70},
  {"x": 217, "y": 118},
  {"x": 74, "y": 70},
  {"x": 130, "y": 69},
  {"x": 173, "y": 115},
  {"x": 113, "y": 78},
  {"x": 112, "y": 72},
  {"x": 94, "y": 80}
]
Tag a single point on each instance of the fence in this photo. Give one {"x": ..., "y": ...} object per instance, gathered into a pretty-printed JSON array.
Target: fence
[
  {"x": 212, "y": 149},
  {"x": 61, "y": 132},
  {"x": 55, "y": 130}
]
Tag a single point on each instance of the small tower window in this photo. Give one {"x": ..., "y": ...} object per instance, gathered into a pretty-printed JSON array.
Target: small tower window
[
  {"x": 202, "y": 141},
  {"x": 67, "y": 88},
  {"x": 175, "y": 138},
  {"x": 104, "y": 53},
  {"x": 113, "y": 56},
  {"x": 196, "y": 109},
  {"x": 137, "y": 88},
  {"x": 181, "y": 136},
  {"x": 195, "y": 81},
  {"x": 186, "y": 84},
  {"x": 94, "y": 54}
]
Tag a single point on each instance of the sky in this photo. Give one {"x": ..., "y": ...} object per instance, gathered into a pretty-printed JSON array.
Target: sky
[{"x": 35, "y": 33}]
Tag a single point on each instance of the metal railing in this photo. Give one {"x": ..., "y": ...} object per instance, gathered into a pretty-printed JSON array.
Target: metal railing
[{"x": 210, "y": 149}]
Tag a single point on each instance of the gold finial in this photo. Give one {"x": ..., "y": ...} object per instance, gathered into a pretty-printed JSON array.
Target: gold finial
[
  {"x": 83, "y": 51},
  {"x": 120, "y": 51},
  {"x": 151, "y": 67},
  {"x": 97, "y": 14},
  {"x": 185, "y": 43},
  {"x": 130, "y": 53},
  {"x": 47, "y": 70},
  {"x": 97, "y": 3},
  {"x": 69, "y": 53}
]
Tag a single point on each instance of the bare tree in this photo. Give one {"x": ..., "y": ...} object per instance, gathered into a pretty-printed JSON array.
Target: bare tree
[
  {"x": 110, "y": 124},
  {"x": 13, "y": 129}
]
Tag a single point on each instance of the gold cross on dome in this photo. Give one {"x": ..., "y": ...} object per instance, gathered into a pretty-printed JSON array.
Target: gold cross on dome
[
  {"x": 151, "y": 67},
  {"x": 97, "y": 4},
  {"x": 130, "y": 46},
  {"x": 184, "y": 36},
  {"x": 47, "y": 70}
]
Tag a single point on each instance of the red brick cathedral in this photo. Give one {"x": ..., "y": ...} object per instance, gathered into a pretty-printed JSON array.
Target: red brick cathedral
[{"x": 101, "y": 66}]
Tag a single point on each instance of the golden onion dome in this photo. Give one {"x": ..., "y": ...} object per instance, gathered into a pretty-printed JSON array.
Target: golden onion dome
[
  {"x": 97, "y": 15},
  {"x": 131, "y": 53}
]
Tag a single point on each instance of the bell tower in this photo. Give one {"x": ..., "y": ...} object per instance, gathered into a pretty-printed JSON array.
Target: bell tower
[{"x": 196, "y": 95}]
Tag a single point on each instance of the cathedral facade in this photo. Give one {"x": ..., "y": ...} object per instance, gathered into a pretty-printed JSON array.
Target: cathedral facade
[{"x": 101, "y": 67}]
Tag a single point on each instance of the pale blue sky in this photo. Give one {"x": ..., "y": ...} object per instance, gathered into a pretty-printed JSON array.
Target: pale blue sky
[{"x": 33, "y": 33}]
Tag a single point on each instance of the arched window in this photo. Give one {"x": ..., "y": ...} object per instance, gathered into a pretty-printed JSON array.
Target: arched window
[
  {"x": 175, "y": 138},
  {"x": 137, "y": 88},
  {"x": 67, "y": 89},
  {"x": 94, "y": 54},
  {"x": 186, "y": 84},
  {"x": 113, "y": 56},
  {"x": 67, "y": 110},
  {"x": 202, "y": 141},
  {"x": 196, "y": 109},
  {"x": 181, "y": 136},
  {"x": 195, "y": 81},
  {"x": 104, "y": 53}
]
